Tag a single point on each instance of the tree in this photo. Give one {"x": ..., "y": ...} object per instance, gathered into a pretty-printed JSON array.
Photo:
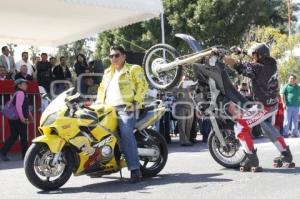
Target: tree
[
  {"x": 213, "y": 22},
  {"x": 33, "y": 51},
  {"x": 288, "y": 67},
  {"x": 11, "y": 47},
  {"x": 70, "y": 51}
]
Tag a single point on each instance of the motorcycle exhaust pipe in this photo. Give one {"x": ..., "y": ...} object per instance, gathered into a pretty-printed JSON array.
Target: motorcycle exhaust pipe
[{"x": 148, "y": 152}]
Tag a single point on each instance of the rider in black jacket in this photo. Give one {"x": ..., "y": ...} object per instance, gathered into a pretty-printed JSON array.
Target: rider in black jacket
[{"x": 263, "y": 73}]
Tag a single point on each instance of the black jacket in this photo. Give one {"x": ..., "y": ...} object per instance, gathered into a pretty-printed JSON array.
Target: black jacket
[
  {"x": 59, "y": 74},
  {"x": 27, "y": 77},
  {"x": 263, "y": 75},
  {"x": 44, "y": 74},
  {"x": 80, "y": 68}
]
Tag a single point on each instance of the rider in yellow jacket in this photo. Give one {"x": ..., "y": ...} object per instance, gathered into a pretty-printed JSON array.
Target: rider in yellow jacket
[
  {"x": 132, "y": 83},
  {"x": 122, "y": 86}
]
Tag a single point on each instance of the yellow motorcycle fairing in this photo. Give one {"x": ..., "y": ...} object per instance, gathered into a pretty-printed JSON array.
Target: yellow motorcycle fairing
[
  {"x": 87, "y": 160},
  {"x": 100, "y": 122},
  {"x": 54, "y": 142}
]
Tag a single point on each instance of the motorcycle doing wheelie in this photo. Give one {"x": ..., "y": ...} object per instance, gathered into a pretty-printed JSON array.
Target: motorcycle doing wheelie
[
  {"x": 164, "y": 67},
  {"x": 84, "y": 141}
]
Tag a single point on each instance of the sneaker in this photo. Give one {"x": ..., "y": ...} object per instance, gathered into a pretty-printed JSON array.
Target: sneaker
[
  {"x": 3, "y": 157},
  {"x": 295, "y": 136},
  {"x": 286, "y": 136},
  {"x": 135, "y": 176}
]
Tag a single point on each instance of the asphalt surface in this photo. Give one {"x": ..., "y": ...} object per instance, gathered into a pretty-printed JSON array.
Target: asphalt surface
[{"x": 190, "y": 173}]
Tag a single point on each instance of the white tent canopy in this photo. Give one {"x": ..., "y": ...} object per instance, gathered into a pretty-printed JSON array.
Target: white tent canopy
[{"x": 56, "y": 22}]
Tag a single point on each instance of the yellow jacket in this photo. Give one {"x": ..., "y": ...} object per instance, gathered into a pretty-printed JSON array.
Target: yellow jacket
[{"x": 132, "y": 83}]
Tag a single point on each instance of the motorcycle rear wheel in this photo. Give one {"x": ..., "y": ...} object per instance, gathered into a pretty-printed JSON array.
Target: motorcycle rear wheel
[
  {"x": 161, "y": 54},
  {"x": 36, "y": 164},
  {"x": 151, "y": 168}
]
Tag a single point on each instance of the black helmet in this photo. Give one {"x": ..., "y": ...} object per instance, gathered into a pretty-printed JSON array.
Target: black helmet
[{"x": 262, "y": 50}]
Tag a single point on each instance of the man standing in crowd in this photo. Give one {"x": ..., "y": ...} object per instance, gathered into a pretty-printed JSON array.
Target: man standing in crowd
[
  {"x": 52, "y": 61},
  {"x": 124, "y": 86},
  {"x": 291, "y": 102},
  {"x": 35, "y": 61},
  {"x": 184, "y": 110},
  {"x": 44, "y": 72},
  {"x": 25, "y": 61},
  {"x": 8, "y": 62},
  {"x": 61, "y": 72},
  {"x": 24, "y": 73}
]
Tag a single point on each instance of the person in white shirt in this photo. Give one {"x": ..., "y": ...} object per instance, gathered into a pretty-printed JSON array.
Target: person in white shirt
[
  {"x": 25, "y": 61},
  {"x": 8, "y": 62}
]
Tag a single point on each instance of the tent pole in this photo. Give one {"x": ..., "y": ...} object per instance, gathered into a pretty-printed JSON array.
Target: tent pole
[
  {"x": 162, "y": 28},
  {"x": 163, "y": 33}
]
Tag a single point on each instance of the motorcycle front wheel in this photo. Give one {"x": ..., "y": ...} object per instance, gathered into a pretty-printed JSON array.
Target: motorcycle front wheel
[
  {"x": 161, "y": 54},
  {"x": 41, "y": 173},
  {"x": 151, "y": 166},
  {"x": 230, "y": 156}
]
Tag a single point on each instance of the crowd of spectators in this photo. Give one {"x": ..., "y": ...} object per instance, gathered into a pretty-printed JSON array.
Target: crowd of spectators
[{"x": 52, "y": 75}]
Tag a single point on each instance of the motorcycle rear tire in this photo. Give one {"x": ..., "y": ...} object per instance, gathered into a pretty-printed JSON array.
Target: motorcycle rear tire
[
  {"x": 163, "y": 147},
  {"x": 146, "y": 66}
]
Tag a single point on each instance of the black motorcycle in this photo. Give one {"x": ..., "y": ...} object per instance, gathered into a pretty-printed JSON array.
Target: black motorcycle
[{"x": 164, "y": 68}]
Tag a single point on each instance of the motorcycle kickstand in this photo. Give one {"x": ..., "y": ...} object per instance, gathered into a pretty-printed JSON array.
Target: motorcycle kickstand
[
  {"x": 121, "y": 175},
  {"x": 120, "y": 171}
]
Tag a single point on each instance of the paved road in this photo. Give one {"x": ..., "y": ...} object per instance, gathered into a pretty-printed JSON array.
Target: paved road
[{"x": 190, "y": 173}]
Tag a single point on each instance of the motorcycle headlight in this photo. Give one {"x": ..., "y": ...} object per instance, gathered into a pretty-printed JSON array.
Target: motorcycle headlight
[{"x": 50, "y": 119}]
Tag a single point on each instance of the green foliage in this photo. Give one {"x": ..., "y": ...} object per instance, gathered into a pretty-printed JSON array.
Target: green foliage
[
  {"x": 278, "y": 41},
  {"x": 33, "y": 51},
  {"x": 213, "y": 22},
  {"x": 11, "y": 47},
  {"x": 70, "y": 51},
  {"x": 288, "y": 67}
]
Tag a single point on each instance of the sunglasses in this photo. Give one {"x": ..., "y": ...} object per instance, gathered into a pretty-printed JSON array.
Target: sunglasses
[{"x": 114, "y": 55}]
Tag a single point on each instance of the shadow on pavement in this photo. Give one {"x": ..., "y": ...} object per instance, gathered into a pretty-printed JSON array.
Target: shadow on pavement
[
  {"x": 13, "y": 164},
  {"x": 295, "y": 170},
  {"x": 175, "y": 147},
  {"x": 283, "y": 170},
  {"x": 118, "y": 186}
]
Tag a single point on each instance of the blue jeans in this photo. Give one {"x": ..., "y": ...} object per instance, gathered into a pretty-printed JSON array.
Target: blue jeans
[
  {"x": 291, "y": 115},
  {"x": 126, "y": 122}
]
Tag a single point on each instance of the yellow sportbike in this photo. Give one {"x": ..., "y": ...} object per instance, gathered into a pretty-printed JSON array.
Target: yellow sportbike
[{"x": 85, "y": 141}]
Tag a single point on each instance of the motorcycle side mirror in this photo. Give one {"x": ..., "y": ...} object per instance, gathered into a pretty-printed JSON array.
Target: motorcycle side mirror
[
  {"x": 44, "y": 95},
  {"x": 72, "y": 98}
]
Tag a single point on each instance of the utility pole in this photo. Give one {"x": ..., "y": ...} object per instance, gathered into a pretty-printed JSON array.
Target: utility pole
[{"x": 289, "y": 15}]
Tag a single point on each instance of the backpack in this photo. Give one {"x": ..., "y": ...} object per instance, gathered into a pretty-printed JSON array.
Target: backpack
[{"x": 10, "y": 110}]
